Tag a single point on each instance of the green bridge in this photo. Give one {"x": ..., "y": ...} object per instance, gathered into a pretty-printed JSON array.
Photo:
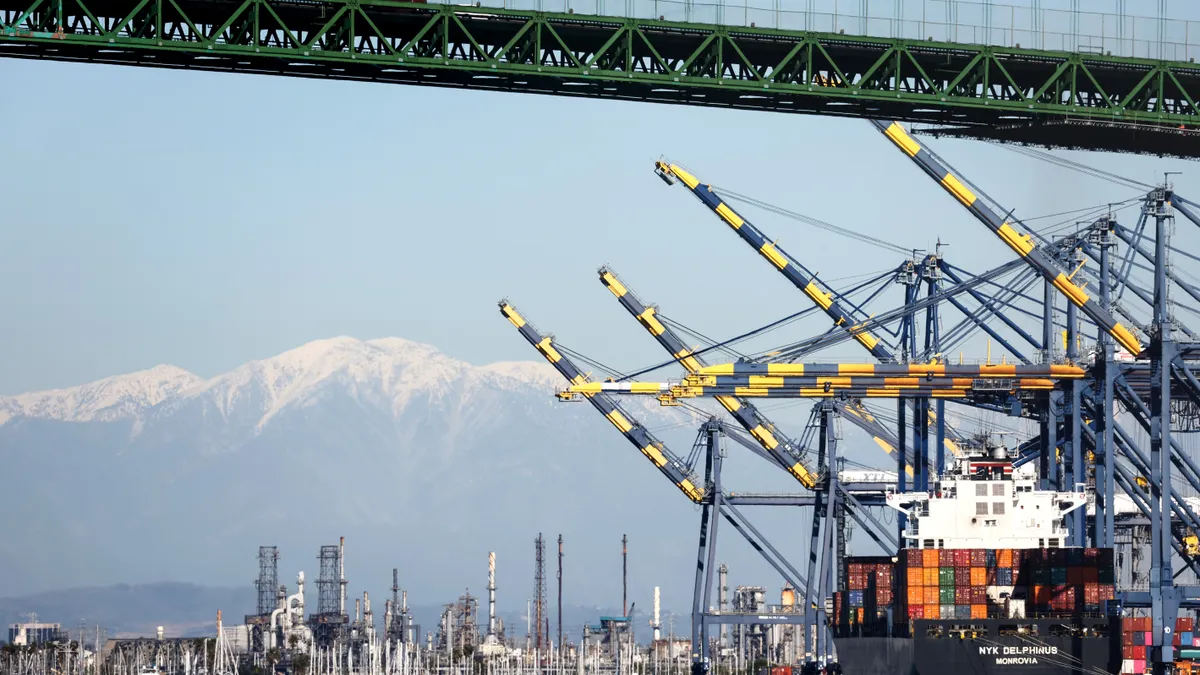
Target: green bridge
[{"x": 1087, "y": 100}]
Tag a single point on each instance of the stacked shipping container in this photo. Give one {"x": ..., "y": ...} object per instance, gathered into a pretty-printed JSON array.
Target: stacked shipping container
[
  {"x": 1136, "y": 638},
  {"x": 870, "y": 588},
  {"x": 979, "y": 583}
]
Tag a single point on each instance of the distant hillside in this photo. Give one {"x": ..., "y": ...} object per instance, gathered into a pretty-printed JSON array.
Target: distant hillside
[{"x": 181, "y": 609}]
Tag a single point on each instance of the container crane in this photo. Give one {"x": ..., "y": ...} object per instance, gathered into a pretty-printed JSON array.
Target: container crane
[
  {"x": 802, "y": 278},
  {"x": 1019, "y": 242},
  {"x": 826, "y": 298},
  {"x": 654, "y": 450},
  {"x": 783, "y": 449}
]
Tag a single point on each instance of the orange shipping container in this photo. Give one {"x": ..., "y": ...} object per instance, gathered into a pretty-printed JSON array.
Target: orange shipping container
[
  {"x": 978, "y": 611},
  {"x": 930, "y": 575},
  {"x": 932, "y": 595},
  {"x": 1004, "y": 557},
  {"x": 930, "y": 557},
  {"x": 916, "y": 595},
  {"x": 933, "y": 610},
  {"x": 978, "y": 577}
]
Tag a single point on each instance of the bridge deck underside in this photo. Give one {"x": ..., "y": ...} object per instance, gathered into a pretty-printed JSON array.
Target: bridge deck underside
[{"x": 1054, "y": 99}]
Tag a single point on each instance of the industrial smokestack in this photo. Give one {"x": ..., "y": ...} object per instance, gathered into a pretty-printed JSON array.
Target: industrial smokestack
[
  {"x": 357, "y": 610},
  {"x": 560, "y": 563},
  {"x": 624, "y": 575},
  {"x": 492, "y": 593},
  {"x": 657, "y": 607},
  {"x": 342, "y": 575}
]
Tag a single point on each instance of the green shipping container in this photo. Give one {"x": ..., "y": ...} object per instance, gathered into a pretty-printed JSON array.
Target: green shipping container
[
  {"x": 946, "y": 595},
  {"x": 946, "y": 576},
  {"x": 1058, "y": 575}
]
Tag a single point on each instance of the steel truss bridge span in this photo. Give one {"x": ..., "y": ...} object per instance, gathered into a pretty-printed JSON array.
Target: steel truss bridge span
[{"x": 1087, "y": 101}]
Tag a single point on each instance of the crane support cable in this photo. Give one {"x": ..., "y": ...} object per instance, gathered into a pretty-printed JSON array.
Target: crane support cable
[
  {"x": 798, "y": 349},
  {"x": 815, "y": 222}
]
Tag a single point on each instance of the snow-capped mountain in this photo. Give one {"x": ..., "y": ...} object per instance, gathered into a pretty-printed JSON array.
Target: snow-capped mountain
[
  {"x": 388, "y": 371},
  {"x": 112, "y": 398},
  {"x": 421, "y": 460}
]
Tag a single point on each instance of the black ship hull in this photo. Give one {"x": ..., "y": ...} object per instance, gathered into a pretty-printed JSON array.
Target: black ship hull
[{"x": 1052, "y": 647}]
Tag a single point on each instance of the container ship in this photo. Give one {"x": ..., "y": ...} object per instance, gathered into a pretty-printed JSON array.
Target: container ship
[{"x": 984, "y": 584}]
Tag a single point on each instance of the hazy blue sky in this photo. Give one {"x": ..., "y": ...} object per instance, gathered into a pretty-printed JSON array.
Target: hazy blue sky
[{"x": 204, "y": 220}]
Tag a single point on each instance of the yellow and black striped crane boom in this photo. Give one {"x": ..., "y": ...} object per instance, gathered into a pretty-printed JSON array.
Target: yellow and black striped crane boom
[
  {"x": 783, "y": 449},
  {"x": 654, "y": 450},
  {"x": 1022, "y": 244},
  {"x": 802, "y": 278},
  {"x": 849, "y": 380}
]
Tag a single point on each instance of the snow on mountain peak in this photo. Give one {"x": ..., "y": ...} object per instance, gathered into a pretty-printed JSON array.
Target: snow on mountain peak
[
  {"x": 384, "y": 372},
  {"x": 112, "y": 398}
]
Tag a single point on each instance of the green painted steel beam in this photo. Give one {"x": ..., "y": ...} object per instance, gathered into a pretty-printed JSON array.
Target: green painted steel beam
[{"x": 1059, "y": 99}]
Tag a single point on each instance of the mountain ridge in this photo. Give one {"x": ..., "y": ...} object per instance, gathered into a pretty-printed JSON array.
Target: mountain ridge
[
  {"x": 288, "y": 378},
  {"x": 422, "y": 461}
]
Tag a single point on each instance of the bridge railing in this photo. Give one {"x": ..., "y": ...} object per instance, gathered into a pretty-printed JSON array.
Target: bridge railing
[{"x": 1007, "y": 25}]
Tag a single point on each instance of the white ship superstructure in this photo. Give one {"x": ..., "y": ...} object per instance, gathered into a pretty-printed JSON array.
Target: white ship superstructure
[{"x": 983, "y": 502}]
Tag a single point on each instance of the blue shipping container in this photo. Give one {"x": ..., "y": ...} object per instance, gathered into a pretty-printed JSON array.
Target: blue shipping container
[
  {"x": 856, "y": 598},
  {"x": 962, "y": 611}
]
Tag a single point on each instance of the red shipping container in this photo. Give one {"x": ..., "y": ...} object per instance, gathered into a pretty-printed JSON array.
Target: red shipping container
[
  {"x": 1184, "y": 624},
  {"x": 1091, "y": 575},
  {"x": 978, "y": 557},
  {"x": 991, "y": 576},
  {"x": 1074, "y": 575},
  {"x": 914, "y": 557},
  {"x": 962, "y": 595},
  {"x": 962, "y": 576},
  {"x": 883, "y": 597},
  {"x": 946, "y": 558},
  {"x": 916, "y": 611},
  {"x": 978, "y": 596},
  {"x": 962, "y": 557},
  {"x": 1126, "y": 651},
  {"x": 855, "y": 569}
]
